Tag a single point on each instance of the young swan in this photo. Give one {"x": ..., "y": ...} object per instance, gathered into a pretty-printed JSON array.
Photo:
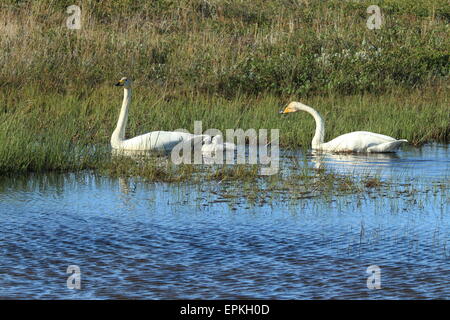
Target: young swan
[
  {"x": 358, "y": 141},
  {"x": 216, "y": 145}
]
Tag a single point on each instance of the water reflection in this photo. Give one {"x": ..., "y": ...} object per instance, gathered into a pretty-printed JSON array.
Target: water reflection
[
  {"x": 431, "y": 161},
  {"x": 126, "y": 186},
  {"x": 349, "y": 162},
  {"x": 157, "y": 240}
]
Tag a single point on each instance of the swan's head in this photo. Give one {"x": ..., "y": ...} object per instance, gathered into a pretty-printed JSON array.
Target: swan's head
[
  {"x": 293, "y": 107},
  {"x": 124, "y": 82},
  {"x": 217, "y": 139},
  {"x": 206, "y": 140}
]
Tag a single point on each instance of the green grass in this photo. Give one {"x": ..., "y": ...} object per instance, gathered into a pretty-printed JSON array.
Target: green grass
[
  {"x": 56, "y": 131},
  {"x": 229, "y": 63},
  {"x": 226, "y": 47}
]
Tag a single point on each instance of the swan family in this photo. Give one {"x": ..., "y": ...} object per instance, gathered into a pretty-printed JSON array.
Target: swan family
[
  {"x": 358, "y": 141},
  {"x": 216, "y": 145},
  {"x": 155, "y": 140}
]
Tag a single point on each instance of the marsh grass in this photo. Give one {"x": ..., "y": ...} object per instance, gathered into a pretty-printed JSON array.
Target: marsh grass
[
  {"x": 238, "y": 181},
  {"x": 231, "y": 64},
  {"x": 65, "y": 132}
]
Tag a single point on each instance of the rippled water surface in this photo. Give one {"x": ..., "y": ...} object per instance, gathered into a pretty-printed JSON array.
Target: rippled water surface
[{"x": 155, "y": 240}]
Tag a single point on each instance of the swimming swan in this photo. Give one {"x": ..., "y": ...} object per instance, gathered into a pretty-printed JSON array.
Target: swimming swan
[
  {"x": 155, "y": 140},
  {"x": 358, "y": 141}
]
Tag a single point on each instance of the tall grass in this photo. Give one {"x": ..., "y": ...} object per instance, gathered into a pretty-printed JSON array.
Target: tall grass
[
  {"x": 229, "y": 63},
  {"x": 63, "y": 131},
  {"x": 226, "y": 47}
]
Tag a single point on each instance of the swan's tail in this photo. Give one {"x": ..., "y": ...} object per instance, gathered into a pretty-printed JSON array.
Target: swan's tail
[{"x": 387, "y": 146}]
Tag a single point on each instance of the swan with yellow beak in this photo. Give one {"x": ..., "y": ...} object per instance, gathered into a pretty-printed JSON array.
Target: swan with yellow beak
[{"x": 357, "y": 141}]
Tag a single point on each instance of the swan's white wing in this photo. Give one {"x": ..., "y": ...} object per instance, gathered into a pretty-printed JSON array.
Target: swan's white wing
[
  {"x": 387, "y": 146},
  {"x": 208, "y": 148},
  {"x": 215, "y": 147},
  {"x": 373, "y": 136},
  {"x": 358, "y": 141},
  {"x": 156, "y": 140},
  {"x": 198, "y": 141}
]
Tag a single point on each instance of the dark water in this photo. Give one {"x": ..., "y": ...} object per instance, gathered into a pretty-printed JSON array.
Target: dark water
[{"x": 139, "y": 240}]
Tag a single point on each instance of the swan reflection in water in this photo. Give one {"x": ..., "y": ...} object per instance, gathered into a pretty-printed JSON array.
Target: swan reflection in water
[
  {"x": 354, "y": 163},
  {"x": 125, "y": 186},
  {"x": 343, "y": 163}
]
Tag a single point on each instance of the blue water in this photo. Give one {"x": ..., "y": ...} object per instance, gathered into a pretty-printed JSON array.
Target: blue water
[{"x": 141, "y": 240}]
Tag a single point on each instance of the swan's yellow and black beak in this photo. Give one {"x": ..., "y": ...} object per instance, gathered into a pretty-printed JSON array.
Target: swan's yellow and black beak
[
  {"x": 120, "y": 83},
  {"x": 287, "y": 109}
]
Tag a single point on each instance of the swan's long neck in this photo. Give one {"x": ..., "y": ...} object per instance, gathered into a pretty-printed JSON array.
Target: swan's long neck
[
  {"x": 319, "y": 135},
  {"x": 119, "y": 133}
]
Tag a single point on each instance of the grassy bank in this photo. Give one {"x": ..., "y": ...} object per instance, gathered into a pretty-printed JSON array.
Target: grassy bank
[
  {"x": 68, "y": 132},
  {"x": 231, "y": 64}
]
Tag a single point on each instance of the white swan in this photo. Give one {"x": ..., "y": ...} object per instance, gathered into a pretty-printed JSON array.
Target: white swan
[
  {"x": 358, "y": 141},
  {"x": 216, "y": 145},
  {"x": 155, "y": 140}
]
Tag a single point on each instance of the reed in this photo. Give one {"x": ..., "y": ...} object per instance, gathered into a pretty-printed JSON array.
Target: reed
[{"x": 59, "y": 131}]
